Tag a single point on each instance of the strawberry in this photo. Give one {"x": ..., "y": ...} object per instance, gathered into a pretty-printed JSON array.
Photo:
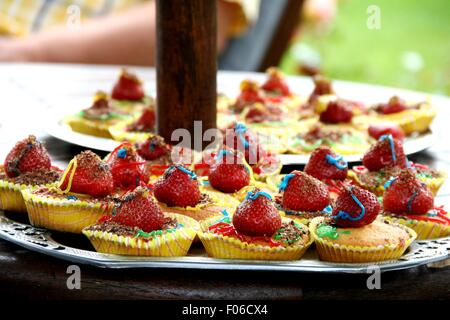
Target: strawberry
[
  {"x": 26, "y": 156},
  {"x": 407, "y": 194},
  {"x": 381, "y": 129},
  {"x": 178, "y": 187},
  {"x": 146, "y": 122},
  {"x": 127, "y": 166},
  {"x": 387, "y": 152},
  {"x": 128, "y": 87},
  {"x": 249, "y": 95},
  {"x": 355, "y": 208},
  {"x": 91, "y": 176},
  {"x": 228, "y": 174},
  {"x": 138, "y": 209},
  {"x": 256, "y": 215},
  {"x": 337, "y": 111},
  {"x": 394, "y": 105},
  {"x": 325, "y": 164},
  {"x": 301, "y": 192},
  {"x": 153, "y": 148},
  {"x": 242, "y": 139},
  {"x": 275, "y": 84}
]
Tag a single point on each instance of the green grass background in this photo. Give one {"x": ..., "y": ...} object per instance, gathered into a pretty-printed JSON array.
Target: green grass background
[{"x": 351, "y": 51}]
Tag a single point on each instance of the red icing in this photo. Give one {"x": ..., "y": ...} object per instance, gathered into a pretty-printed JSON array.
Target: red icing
[{"x": 228, "y": 230}]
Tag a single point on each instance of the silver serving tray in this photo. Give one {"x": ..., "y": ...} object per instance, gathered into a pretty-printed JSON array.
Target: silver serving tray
[{"x": 40, "y": 240}]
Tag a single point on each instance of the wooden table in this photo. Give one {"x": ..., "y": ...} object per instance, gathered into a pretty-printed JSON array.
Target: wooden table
[{"x": 27, "y": 274}]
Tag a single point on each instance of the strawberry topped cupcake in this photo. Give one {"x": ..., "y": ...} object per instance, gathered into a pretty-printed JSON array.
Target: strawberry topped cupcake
[
  {"x": 330, "y": 168},
  {"x": 178, "y": 191},
  {"x": 27, "y": 166},
  {"x": 97, "y": 119},
  {"x": 385, "y": 160},
  {"x": 127, "y": 167},
  {"x": 159, "y": 155},
  {"x": 84, "y": 193},
  {"x": 128, "y": 93},
  {"x": 354, "y": 234},
  {"x": 231, "y": 174},
  {"x": 250, "y": 94},
  {"x": 264, "y": 163},
  {"x": 416, "y": 117},
  {"x": 139, "y": 227},
  {"x": 409, "y": 201},
  {"x": 256, "y": 231},
  {"x": 341, "y": 139},
  {"x": 136, "y": 130},
  {"x": 303, "y": 197}
]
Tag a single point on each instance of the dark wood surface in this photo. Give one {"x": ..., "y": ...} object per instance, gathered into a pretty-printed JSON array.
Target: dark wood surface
[
  {"x": 26, "y": 274},
  {"x": 186, "y": 65}
]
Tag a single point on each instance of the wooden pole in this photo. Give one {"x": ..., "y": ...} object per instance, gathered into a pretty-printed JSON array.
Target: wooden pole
[{"x": 186, "y": 64}]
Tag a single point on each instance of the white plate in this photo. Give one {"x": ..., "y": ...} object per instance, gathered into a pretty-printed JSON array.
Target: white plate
[{"x": 69, "y": 88}]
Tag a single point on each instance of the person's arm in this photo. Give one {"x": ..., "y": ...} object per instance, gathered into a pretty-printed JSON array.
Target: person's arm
[{"x": 126, "y": 38}]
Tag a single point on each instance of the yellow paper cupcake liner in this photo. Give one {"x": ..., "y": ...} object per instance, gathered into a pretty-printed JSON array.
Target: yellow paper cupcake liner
[
  {"x": 62, "y": 214},
  {"x": 329, "y": 251},
  {"x": 172, "y": 244},
  {"x": 424, "y": 229},
  {"x": 119, "y": 133},
  {"x": 11, "y": 198},
  {"x": 224, "y": 247},
  {"x": 414, "y": 120},
  {"x": 90, "y": 127}
]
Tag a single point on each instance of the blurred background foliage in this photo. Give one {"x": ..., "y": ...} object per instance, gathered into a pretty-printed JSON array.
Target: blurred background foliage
[{"x": 411, "y": 49}]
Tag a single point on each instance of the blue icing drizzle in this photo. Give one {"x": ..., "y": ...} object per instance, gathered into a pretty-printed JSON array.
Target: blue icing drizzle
[
  {"x": 122, "y": 153},
  {"x": 346, "y": 216},
  {"x": 183, "y": 169},
  {"x": 222, "y": 153},
  {"x": 410, "y": 201},
  {"x": 152, "y": 146},
  {"x": 224, "y": 212},
  {"x": 72, "y": 198},
  {"x": 253, "y": 196},
  {"x": 285, "y": 181},
  {"x": 240, "y": 130},
  {"x": 389, "y": 182},
  {"x": 338, "y": 162},
  {"x": 391, "y": 143},
  {"x": 327, "y": 210}
]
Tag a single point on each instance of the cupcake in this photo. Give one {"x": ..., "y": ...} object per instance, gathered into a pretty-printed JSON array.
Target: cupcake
[
  {"x": 127, "y": 167},
  {"x": 343, "y": 139},
  {"x": 136, "y": 130},
  {"x": 244, "y": 140},
  {"x": 256, "y": 231},
  {"x": 83, "y": 195},
  {"x": 178, "y": 191},
  {"x": 27, "y": 166},
  {"x": 128, "y": 93},
  {"x": 303, "y": 197},
  {"x": 410, "y": 202},
  {"x": 159, "y": 156},
  {"x": 416, "y": 117},
  {"x": 385, "y": 160},
  {"x": 139, "y": 227},
  {"x": 97, "y": 119},
  {"x": 249, "y": 95},
  {"x": 354, "y": 234},
  {"x": 231, "y": 174},
  {"x": 330, "y": 168}
]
